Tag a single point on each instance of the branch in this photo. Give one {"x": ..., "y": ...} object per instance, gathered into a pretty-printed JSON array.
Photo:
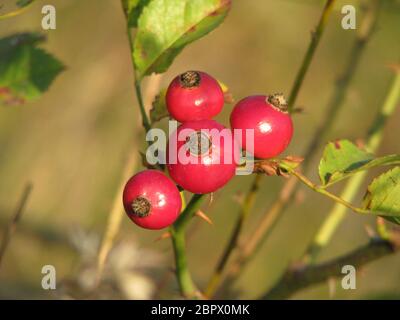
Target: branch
[
  {"x": 289, "y": 190},
  {"x": 16, "y": 12},
  {"x": 116, "y": 213},
  {"x": 326, "y": 193},
  {"x": 216, "y": 277},
  {"x": 15, "y": 219},
  {"x": 316, "y": 37},
  {"x": 246, "y": 207},
  {"x": 300, "y": 277},
  {"x": 186, "y": 285},
  {"x": 337, "y": 214},
  {"x": 137, "y": 84},
  {"x": 114, "y": 218}
]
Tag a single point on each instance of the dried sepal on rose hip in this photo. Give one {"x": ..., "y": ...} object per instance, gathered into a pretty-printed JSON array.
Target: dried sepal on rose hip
[
  {"x": 272, "y": 124},
  {"x": 202, "y": 156},
  {"x": 151, "y": 200},
  {"x": 194, "y": 95}
]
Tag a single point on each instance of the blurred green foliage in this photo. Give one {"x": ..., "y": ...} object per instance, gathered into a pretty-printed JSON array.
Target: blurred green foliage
[{"x": 73, "y": 141}]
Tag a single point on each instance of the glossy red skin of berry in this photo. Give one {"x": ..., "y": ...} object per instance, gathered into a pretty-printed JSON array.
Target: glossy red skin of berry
[
  {"x": 210, "y": 172},
  {"x": 160, "y": 191},
  {"x": 200, "y": 102},
  {"x": 273, "y": 128}
]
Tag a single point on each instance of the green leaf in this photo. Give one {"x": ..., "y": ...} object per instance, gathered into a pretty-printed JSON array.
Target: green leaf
[
  {"x": 383, "y": 194},
  {"x": 342, "y": 159},
  {"x": 133, "y": 10},
  {"x": 25, "y": 70},
  {"x": 23, "y": 3},
  {"x": 159, "y": 109},
  {"x": 165, "y": 27},
  {"x": 395, "y": 220}
]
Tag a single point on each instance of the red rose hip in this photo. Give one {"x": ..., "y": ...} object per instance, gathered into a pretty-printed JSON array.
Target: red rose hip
[
  {"x": 194, "y": 95},
  {"x": 272, "y": 124},
  {"x": 202, "y": 156},
  {"x": 151, "y": 200}
]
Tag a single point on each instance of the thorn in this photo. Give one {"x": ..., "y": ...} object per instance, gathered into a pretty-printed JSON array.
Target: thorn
[
  {"x": 360, "y": 143},
  {"x": 296, "y": 159},
  {"x": 380, "y": 221},
  {"x": 228, "y": 98},
  {"x": 299, "y": 110},
  {"x": 211, "y": 199},
  {"x": 165, "y": 235},
  {"x": 203, "y": 216}
]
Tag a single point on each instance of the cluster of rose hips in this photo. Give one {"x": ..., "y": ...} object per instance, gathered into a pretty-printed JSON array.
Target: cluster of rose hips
[{"x": 151, "y": 199}]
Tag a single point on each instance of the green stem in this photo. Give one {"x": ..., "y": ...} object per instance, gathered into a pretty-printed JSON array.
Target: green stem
[
  {"x": 326, "y": 193},
  {"x": 137, "y": 84},
  {"x": 186, "y": 284},
  {"x": 286, "y": 196},
  {"x": 337, "y": 214},
  {"x": 233, "y": 241},
  {"x": 16, "y": 12},
  {"x": 316, "y": 37},
  {"x": 216, "y": 277},
  {"x": 189, "y": 211},
  {"x": 300, "y": 277},
  {"x": 15, "y": 219}
]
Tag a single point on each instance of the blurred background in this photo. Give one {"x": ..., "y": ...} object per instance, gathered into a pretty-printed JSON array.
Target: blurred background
[{"x": 73, "y": 142}]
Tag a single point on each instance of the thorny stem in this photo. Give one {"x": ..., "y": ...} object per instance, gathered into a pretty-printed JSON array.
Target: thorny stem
[
  {"x": 232, "y": 244},
  {"x": 186, "y": 285},
  {"x": 337, "y": 214},
  {"x": 14, "y": 220},
  {"x": 233, "y": 241},
  {"x": 145, "y": 119},
  {"x": 326, "y": 193},
  {"x": 289, "y": 190},
  {"x": 300, "y": 277},
  {"x": 16, "y": 12},
  {"x": 316, "y": 37},
  {"x": 116, "y": 213}
]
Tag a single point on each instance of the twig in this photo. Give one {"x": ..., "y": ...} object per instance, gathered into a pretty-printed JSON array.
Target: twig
[
  {"x": 326, "y": 193},
  {"x": 246, "y": 207},
  {"x": 116, "y": 213},
  {"x": 114, "y": 218},
  {"x": 275, "y": 212},
  {"x": 186, "y": 285},
  {"x": 232, "y": 243},
  {"x": 316, "y": 37},
  {"x": 337, "y": 214},
  {"x": 15, "y": 219},
  {"x": 137, "y": 84},
  {"x": 300, "y": 277},
  {"x": 16, "y": 12}
]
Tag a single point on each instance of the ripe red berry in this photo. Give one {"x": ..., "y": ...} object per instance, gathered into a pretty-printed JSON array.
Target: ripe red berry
[
  {"x": 272, "y": 124},
  {"x": 194, "y": 95},
  {"x": 202, "y": 156},
  {"x": 151, "y": 200}
]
